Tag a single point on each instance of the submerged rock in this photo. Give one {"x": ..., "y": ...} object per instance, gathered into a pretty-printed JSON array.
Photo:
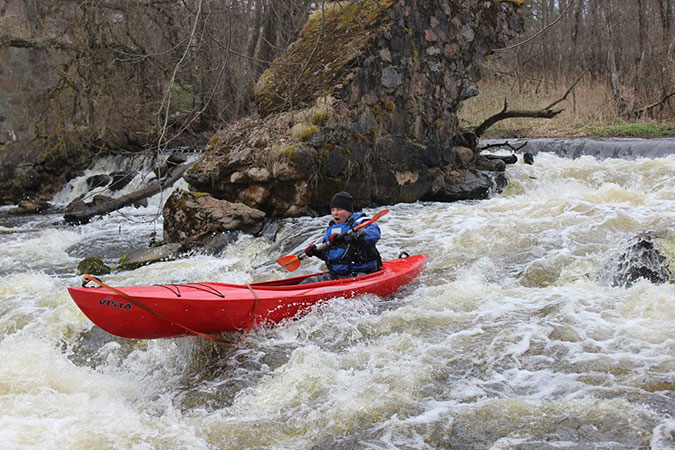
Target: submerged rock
[
  {"x": 29, "y": 207},
  {"x": 646, "y": 258},
  {"x": 145, "y": 256}
]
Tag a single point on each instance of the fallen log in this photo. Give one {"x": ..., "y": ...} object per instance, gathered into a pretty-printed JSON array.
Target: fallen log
[{"x": 82, "y": 212}]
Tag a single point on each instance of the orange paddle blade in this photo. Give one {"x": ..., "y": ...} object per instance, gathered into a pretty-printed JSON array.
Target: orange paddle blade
[
  {"x": 289, "y": 262},
  {"x": 379, "y": 214}
]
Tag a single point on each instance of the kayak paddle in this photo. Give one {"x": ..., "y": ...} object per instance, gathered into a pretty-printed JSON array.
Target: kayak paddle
[{"x": 292, "y": 262}]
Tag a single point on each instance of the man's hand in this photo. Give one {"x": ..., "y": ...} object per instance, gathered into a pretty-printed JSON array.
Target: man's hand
[
  {"x": 336, "y": 238},
  {"x": 347, "y": 238},
  {"x": 311, "y": 250}
]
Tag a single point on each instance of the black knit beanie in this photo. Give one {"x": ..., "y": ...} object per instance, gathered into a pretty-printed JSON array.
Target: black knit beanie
[{"x": 343, "y": 200}]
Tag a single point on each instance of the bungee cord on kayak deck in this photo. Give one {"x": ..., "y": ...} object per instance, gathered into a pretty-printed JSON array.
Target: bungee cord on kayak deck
[
  {"x": 173, "y": 321},
  {"x": 198, "y": 286}
]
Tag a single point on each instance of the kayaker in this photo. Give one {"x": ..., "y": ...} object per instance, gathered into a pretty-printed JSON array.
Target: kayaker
[{"x": 348, "y": 254}]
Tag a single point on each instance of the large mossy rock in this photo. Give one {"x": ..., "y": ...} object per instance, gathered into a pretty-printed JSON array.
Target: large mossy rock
[
  {"x": 194, "y": 218},
  {"x": 366, "y": 101}
]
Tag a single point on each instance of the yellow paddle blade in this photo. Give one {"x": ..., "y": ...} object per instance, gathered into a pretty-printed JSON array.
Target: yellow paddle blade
[{"x": 289, "y": 262}]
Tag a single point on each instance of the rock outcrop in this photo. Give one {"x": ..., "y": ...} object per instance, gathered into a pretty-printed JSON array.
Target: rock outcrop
[
  {"x": 365, "y": 101},
  {"x": 196, "y": 219}
]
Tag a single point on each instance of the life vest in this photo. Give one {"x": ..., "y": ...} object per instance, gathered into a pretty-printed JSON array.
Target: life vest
[{"x": 359, "y": 256}]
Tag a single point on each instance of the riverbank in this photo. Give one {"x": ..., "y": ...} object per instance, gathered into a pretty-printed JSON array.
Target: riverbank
[{"x": 588, "y": 111}]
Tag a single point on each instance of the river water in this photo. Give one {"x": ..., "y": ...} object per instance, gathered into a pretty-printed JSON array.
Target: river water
[{"x": 513, "y": 338}]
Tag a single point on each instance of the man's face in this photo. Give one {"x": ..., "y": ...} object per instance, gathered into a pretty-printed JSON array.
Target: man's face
[{"x": 340, "y": 215}]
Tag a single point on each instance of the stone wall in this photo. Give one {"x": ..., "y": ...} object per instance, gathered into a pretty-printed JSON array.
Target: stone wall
[{"x": 370, "y": 108}]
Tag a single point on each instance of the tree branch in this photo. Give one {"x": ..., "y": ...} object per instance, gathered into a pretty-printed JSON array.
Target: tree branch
[
  {"x": 505, "y": 114},
  {"x": 545, "y": 113},
  {"x": 655, "y": 104},
  {"x": 568, "y": 91},
  {"x": 562, "y": 14}
]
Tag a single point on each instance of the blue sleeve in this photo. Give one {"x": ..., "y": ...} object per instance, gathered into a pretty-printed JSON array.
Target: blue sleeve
[
  {"x": 371, "y": 233},
  {"x": 326, "y": 235}
]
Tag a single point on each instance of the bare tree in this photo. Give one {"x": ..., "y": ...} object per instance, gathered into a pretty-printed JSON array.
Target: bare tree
[
  {"x": 153, "y": 70},
  {"x": 628, "y": 44}
]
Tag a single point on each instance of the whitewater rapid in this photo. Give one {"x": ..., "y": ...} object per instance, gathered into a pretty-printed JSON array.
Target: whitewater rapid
[{"x": 513, "y": 337}]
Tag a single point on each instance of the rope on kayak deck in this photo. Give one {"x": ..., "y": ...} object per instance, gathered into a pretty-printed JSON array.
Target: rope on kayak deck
[{"x": 173, "y": 322}]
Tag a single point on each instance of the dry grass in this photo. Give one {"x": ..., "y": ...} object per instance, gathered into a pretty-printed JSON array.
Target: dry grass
[{"x": 589, "y": 110}]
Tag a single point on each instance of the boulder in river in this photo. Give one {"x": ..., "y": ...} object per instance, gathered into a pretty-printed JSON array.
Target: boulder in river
[
  {"x": 93, "y": 265},
  {"x": 97, "y": 181},
  {"x": 144, "y": 256},
  {"x": 174, "y": 160},
  {"x": 193, "y": 218},
  {"x": 648, "y": 257},
  {"x": 120, "y": 179},
  {"x": 29, "y": 207},
  {"x": 475, "y": 185}
]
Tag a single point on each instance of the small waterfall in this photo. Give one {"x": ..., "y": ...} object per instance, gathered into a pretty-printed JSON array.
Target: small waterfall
[
  {"x": 601, "y": 148},
  {"x": 121, "y": 174}
]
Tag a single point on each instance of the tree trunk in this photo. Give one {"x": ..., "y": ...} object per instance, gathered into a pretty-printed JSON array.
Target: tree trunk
[
  {"x": 668, "y": 38},
  {"x": 642, "y": 32},
  {"x": 613, "y": 73},
  {"x": 265, "y": 45}
]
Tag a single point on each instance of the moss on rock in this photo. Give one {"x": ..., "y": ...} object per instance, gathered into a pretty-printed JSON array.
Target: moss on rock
[
  {"x": 93, "y": 265},
  {"x": 321, "y": 116},
  {"x": 310, "y": 68},
  {"x": 303, "y": 131}
]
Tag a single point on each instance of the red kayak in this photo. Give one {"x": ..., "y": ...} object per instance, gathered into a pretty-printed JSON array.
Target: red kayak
[{"x": 161, "y": 311}]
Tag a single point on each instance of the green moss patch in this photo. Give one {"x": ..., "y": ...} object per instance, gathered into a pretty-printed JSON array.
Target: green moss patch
[
  {"x": 645, "y": 130},
  {"x": 321, "y": 116},
  {"x": 303, "y": 131},
  {"x": 93, "y": 265},
  {"x": 334, "y": 36}
]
